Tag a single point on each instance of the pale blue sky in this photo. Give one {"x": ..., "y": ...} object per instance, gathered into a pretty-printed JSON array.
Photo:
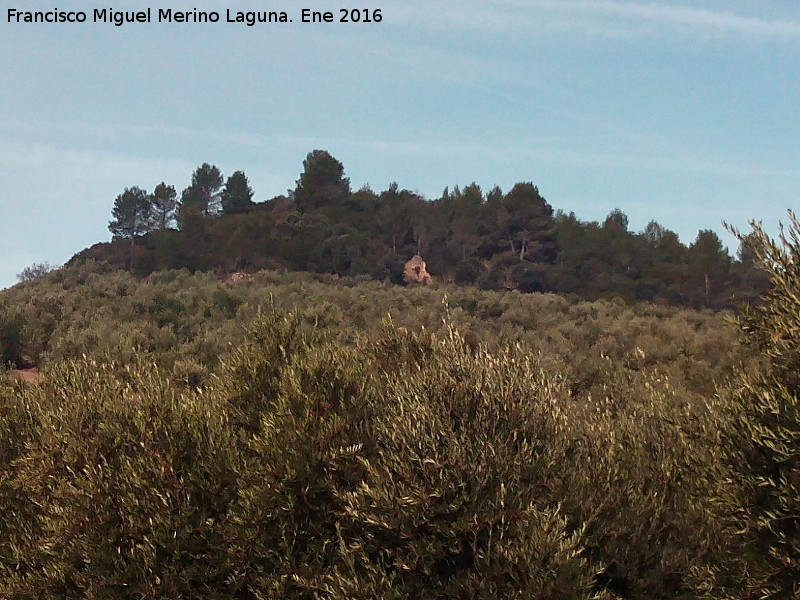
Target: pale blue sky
[{"x": 683, "y": 112}]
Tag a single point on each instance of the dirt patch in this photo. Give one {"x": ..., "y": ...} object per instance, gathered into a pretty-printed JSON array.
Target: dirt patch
[{"x": 27, "y": 376}]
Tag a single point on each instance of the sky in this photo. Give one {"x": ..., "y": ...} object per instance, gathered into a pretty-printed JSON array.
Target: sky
[{"x": 687, "y": 113}]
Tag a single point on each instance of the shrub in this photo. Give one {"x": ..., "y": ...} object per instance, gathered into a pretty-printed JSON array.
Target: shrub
[
  {"x": 35, "y": 271},
  {"x": 116, "y": 487},
  {"x": 764, "y": 440},
  {"x": 417, "y": 466},
  {"x": 400, "y": 465}
]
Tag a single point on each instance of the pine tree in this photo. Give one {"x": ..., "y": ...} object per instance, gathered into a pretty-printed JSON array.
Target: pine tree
[
  {"x": 163, "y": 206},
  {"x": 131, "y": 213},
  {"x": 237, "y": 197},
  {"x": 322, "y": 182},
  {"x": 132, "y": 216},
  {"x": 203, "y": 195}
]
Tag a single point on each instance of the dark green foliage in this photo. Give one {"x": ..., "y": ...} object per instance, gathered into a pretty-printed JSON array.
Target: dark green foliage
[
  {"x": 237, "y": 197},
  {"x": 164, "y": 203},
  {"x": 497, "y": 241},
  {"x": 11, "y": 335},
  {"x": 322, "y": 182},
  {"x": 526, "y": 221},
  {"x": 132, "y": 217},
  {"x": 708, "y": 261},
  {"x": 131, "y": 213},
  {"x": 203, "y": 196}
]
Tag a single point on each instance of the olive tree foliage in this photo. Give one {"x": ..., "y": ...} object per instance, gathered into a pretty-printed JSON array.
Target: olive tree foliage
[
  {"x": 400, "y": 465},
  {"x": 129, "y": 505},
  {"x": 764, "y": 441},
  {"x": 414, "y": 466}
]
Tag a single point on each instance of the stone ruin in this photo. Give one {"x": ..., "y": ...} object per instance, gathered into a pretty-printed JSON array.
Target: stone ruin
[{"x": 415, "y": 271}]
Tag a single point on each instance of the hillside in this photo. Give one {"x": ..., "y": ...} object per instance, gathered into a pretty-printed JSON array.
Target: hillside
[
  {"x": 187, "y": 323},
  {"x": 305, "y": 436}
]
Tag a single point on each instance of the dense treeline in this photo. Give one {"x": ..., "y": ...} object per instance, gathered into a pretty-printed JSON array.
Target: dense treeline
[
  {"x": 325, "y": 457},
  {"x": 492, "y": 240}
]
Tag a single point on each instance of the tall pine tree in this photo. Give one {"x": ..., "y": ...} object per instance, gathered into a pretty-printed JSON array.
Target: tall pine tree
[{"x": 237, "y": 197}]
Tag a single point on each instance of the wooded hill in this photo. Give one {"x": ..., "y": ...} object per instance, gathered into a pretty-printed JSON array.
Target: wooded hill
[
  {"x": 321, "y": 436},
  {"x": 314, "y": 437},
  {"x": 494, "y": 240}
]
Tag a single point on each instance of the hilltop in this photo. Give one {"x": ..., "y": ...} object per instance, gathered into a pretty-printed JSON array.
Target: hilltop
[{"x": 491, "y": 240}]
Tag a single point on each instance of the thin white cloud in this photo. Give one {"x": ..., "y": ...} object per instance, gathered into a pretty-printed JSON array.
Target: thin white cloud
[
  {"x": 65, "y": 166},
  {"x": 548, "y": 155},
  {"x": 599, "y": 17},
  {"x": 690, "y": 16},
  {"x": 95, "y": 131}
]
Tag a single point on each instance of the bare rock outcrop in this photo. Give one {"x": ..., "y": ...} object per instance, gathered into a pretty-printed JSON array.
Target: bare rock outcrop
[
  {"x": 239, "y": 277},
  {"x": 415, "y": 271}
]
